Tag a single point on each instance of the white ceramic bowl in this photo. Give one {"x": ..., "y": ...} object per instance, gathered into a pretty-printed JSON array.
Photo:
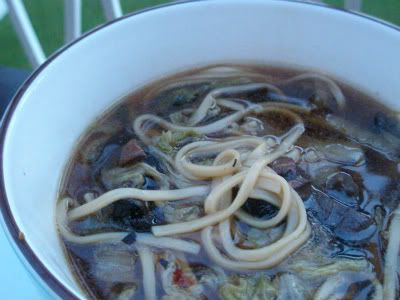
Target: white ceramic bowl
[{"x": 72, "y": 88}]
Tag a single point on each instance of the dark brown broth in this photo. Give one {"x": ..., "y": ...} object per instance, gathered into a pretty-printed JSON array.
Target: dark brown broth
[{"x": 379, "y": 176}]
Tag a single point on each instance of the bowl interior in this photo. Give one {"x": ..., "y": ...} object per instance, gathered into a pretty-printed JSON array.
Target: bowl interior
[{"x": 78, "y": 84}]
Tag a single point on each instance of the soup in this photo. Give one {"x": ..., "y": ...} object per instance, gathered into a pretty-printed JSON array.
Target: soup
[{"x": 236, "y": 182}]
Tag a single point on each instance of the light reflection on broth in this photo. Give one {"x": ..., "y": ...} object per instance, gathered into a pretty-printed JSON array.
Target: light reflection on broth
[{"x": 236, "y": 182}]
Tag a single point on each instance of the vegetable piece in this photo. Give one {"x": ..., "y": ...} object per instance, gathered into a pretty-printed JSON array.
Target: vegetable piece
[
  {"x": 82, "y": 182},
  {"x": 307, "y": 269},
  {"x": 387, "y": 123},
  {"x": 319, "y": 259},
  {"x": 342, "y": 187},
  {"x": 127, "y": 293},
  {"x": 149, "y": 183},
  {"x": 94, "y": 144},
  {"x": 379, "y": 216},
  {"x": 164, "y": 142},
  {"x": 249, "y": 287},
  {"x": 343, "y": 182},
  {"x": 263, "y": 289},
  {"x": 168, "y": 141},
  {"x": 134, "y": 215},
  {"x": 250, "y": 237},
  {"x": 349, "y": 285},
  {"x": 319, "y": 171},
  {"x": 174, "y": 213},
  {"x": 141, "y": 176},
  {"x": 122, "y": 177},
  {"x": 391, "y": 195},
  {"x": 114, "y": 263},
  {"x": 154, "y": 159},
  {"x": 350, "y": 225},
  {"x": 290, "y": 288},
  {"x": 178, "y": 279},
  {"x": 131, "y": 152},
  {"x": 189, "y": 93},
  {"x": 299, "y": 182},
  {"x": 130, "y": 238},
  {"x": 123, "y": 291},
  {"x": 379, "y": 142},
  {"x": 318, "y": 89},
  {"x": 93, "y": 147},
  {"x": 287, "y": 168},
  {"x": 344, "y": 155},
  {"x": 260, "y": 209},
  {"x": 206, "y": 275},
  {"x": 252, "y": 126},
  {"x": 181, "y": 280},
  {"x": 311, "y": 155}
]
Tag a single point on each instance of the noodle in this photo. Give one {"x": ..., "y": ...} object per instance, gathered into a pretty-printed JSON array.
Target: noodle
[
  {"x": 149, "y": 276},
  {"x": 126, "y": 193},
  {"x": 224, "y": 173},
  {"x": 327, "y": 289},
  {"x": 391, "y": 258}
]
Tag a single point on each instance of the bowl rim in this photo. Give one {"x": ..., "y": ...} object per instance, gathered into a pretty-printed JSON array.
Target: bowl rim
[{"x": 60, "y": 289}]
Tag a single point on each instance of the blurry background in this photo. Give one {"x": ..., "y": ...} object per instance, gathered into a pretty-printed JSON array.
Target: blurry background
[{"x": 47, "y": 19}]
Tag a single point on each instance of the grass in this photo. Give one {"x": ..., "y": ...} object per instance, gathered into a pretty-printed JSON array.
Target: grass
[
  {"x": 47, "y": 19},
  {"x": 388, "y": 10}
]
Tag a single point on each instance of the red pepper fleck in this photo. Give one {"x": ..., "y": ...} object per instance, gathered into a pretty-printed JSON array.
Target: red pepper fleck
[{"x": 180, "y": 280}]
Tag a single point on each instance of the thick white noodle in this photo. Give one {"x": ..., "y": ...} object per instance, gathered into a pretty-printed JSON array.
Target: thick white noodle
[
  {"x": 378, "y": 293},
  {"x": 327, "y": 290},
  {"x": 391, "y": 258},
  {"x": 144, "y": 195},
  {"x": 149, "y": 272}
]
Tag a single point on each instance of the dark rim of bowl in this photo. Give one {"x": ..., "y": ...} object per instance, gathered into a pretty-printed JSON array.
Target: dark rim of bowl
[{"x": 59, "y": 288}]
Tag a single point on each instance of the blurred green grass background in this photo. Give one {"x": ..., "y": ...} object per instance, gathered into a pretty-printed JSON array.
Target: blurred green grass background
[{"x": 47, "y": 19}]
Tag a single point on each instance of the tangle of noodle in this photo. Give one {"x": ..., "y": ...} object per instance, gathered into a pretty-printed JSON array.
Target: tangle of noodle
[
  {"x": 240, "y": 162},
  {"x": 237, "y": 162}
]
